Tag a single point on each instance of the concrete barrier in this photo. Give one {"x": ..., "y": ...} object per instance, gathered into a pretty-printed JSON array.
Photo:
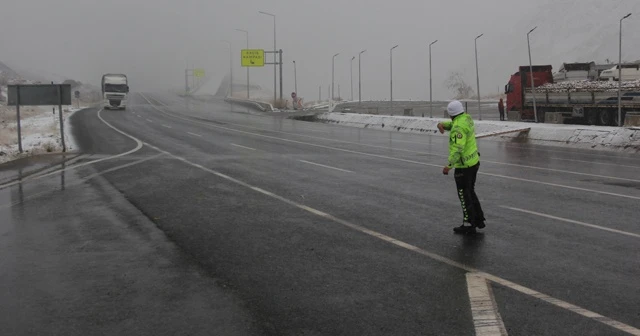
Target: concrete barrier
[
  {"x": 514, "y": 116},
  {"x": 260, "y": 106},
  {"x": 632, "y": 119}
]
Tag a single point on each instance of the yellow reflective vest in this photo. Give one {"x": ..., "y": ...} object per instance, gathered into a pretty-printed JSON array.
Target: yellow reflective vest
[{"x": 463, "y": 149}]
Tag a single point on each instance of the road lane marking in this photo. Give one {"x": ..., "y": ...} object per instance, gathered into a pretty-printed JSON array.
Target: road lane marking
[
  {"x": 198, "y": 135},
  {"x": 149, "y": 120},
  {"x": 573, "y": 221},
  {"x": 394, "y": 158},
  {"x": 321, "y": 165},
  {"x": 557, "y": 302},
  {"x": 137, "y": 148},
  {"x": 81, "y": 180},
  {"x": 245, "y": 147},
  {"x": 484, "y": 310},
  {"x": 563, "y": 171},
  {"x": 595, "y": 162},
  {"x": 166, "y": 126}
]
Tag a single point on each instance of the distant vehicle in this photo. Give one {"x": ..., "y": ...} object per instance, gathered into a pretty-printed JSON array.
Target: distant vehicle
[
  {"x": 576, "y": 71},
  {"x": 582, "y": 102},
  {"x": 630, "y": 72},
  {"x": 115, "y": 90}
]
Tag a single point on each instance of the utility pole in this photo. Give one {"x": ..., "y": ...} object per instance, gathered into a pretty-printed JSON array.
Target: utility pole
[
  {"x": 333, "y": 70},
  {"x": 351, "y": 74},
  {"x": 430, "y": 82},
  {"x": 391, "y": 76},
  {"x": 230, "y": 69},
  {"x": 275, "y": 65},
  {"x": 247, "y": 33},
  {"x": 295, "y": 78},
  {"x": 620, "y": 75},
  {"x": 478, "y": 77},
  {"x": 533, "y": 85},
  {"x": 360, "y": 76}
]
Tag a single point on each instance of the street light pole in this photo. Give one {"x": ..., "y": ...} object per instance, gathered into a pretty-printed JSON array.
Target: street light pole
[
  {"x": 478, "y": 77},
  {"x": 360, "y": 77},
  {"x": 351, "y": 74},
  {"x": 230, "y": 69},
  {"x": 333, "y": 68},
  {"x": 295, "y": 78},
  {"x": 391, "y": 76},
  {"x": 620, "y": 74},
  {"x": 247, "y": 33},
  {"x": 430, "y": 82},
  {"x": 533, "y": 85},
  {"x": 275, "y": 66}
]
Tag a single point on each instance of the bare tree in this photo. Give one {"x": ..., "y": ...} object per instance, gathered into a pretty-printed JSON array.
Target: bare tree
[{"x": 458, "y": 86}]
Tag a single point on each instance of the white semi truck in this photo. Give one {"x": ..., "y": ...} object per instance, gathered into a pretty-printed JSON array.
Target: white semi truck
[{"x": 115, "y": 90}]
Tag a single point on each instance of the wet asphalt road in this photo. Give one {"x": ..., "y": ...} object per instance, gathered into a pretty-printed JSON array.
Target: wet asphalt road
[{"x": 221, "y": 221}]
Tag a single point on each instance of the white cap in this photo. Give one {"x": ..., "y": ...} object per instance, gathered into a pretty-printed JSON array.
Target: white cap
[{"x": 455, "y": 107}]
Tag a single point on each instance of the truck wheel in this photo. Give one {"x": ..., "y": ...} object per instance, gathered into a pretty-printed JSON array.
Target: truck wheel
[{"x": 605, "y": 117}]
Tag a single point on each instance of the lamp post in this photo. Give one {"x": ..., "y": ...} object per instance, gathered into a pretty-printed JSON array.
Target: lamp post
[
  {"x": 275, "y": 67},
  {"x": 360, "y": 76},
  {"x": 430, "y": 82},
  {"x": 230, "y": 69},
  {"x": 620, "y": 74},
  {"x": 351, "y": 74},
  {"x": 295, "y": 78},
  {"x": 478, "y": 77},
  {"x": 333, "y": 68},
  {"x": 247, "y": 33},
  {"x": 391, "y": 76},
  {"x": 533, "y": 85}
]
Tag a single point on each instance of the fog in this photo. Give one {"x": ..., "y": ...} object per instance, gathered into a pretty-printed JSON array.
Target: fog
[{"x": 153, "y": 41}]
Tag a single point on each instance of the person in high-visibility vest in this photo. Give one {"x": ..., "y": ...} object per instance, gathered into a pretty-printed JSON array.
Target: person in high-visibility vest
[{"x": 465, "y": 158}]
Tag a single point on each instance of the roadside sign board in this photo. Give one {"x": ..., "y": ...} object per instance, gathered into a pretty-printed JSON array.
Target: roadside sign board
[
  {"x": 77, "y": 94},
  {"x": 198, "y": 73},
  {"x": 39, "y": 94},
  {"x": 252, "y": 57}
]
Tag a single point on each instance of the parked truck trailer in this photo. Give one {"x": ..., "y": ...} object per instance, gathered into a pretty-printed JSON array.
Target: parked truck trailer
[{"x": 578, "y": 102}]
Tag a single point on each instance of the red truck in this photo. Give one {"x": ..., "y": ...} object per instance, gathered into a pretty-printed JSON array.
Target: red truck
[{"x": 576, "y": 102}]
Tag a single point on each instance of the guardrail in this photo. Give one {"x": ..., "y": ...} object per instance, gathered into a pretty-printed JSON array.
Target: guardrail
[{"x": 261, "y": 106}]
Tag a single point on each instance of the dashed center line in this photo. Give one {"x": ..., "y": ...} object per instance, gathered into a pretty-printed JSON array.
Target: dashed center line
[
  {"x": 325, "y": 166},
  {"x": 166, "y": 126},
  {"x": 198, "y": 135},
  {"x": 245, "y": 147},
  {"x": 635, "y": 235},
  {"x": 149, "y": 120}
]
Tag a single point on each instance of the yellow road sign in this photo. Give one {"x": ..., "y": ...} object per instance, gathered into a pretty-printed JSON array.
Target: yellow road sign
[
  {"x": 252, "y": 57},
  {"x": 198, "y": 73}
]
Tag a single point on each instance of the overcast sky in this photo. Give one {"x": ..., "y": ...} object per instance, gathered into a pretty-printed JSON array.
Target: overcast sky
[{"x": 152, "y": 40}]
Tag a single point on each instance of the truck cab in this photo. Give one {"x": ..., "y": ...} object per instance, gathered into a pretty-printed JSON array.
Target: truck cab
[
  {"x": 115, "y": 91},
  {"x": 542, "y": 74},
  {"x": 630, "y": 72}
]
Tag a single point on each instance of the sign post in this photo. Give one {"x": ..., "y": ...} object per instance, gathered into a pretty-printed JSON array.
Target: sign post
[
  {"x": 77, "y": 94},
  {"x": 18, "y": 113},
  {"x": 64, "y": 147}
]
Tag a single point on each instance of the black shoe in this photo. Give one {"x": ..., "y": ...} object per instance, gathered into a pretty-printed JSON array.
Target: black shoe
[
  {"x": 464, "y": 229},
  {"x": 481, "y": 225}
]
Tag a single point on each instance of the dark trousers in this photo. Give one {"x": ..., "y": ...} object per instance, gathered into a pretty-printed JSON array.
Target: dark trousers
[
  {"x": 501, "y": 115},
  {"x": 466, "y": 182}
]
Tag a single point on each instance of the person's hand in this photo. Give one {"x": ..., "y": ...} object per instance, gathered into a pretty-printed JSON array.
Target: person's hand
[
  {"x": 441, "y": 128},
  {"x": 446, "y": 170}
]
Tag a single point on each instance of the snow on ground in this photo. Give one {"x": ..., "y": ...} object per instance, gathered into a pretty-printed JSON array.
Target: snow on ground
[
  {"x": 595, "y": 137},
  {"x": 40, "y": 130}
]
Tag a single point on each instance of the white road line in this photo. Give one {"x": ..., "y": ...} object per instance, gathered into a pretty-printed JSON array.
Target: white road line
[
  {"x": 166, "y": 126},
  {"x": 137, "y": 148},
  {"x": 149, "y": 120},
  {"x": 245, "y": 147},
  {"x": 392, "y": 158},
  {"x": 559, "y": 303},
  {"x": 138, "y": 116},
  {"x": 82, "y": 180},
  {"x": 324, "y": 166},
  {"x": 484, "y": 310},
  {"x": 595, "y": 162},
  {"x": 635, "y": 235},
  {"x": 198, "y": 135}
]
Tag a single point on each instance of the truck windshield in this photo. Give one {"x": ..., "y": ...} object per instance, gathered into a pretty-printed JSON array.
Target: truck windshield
[{"x": 115, "y": 88}]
